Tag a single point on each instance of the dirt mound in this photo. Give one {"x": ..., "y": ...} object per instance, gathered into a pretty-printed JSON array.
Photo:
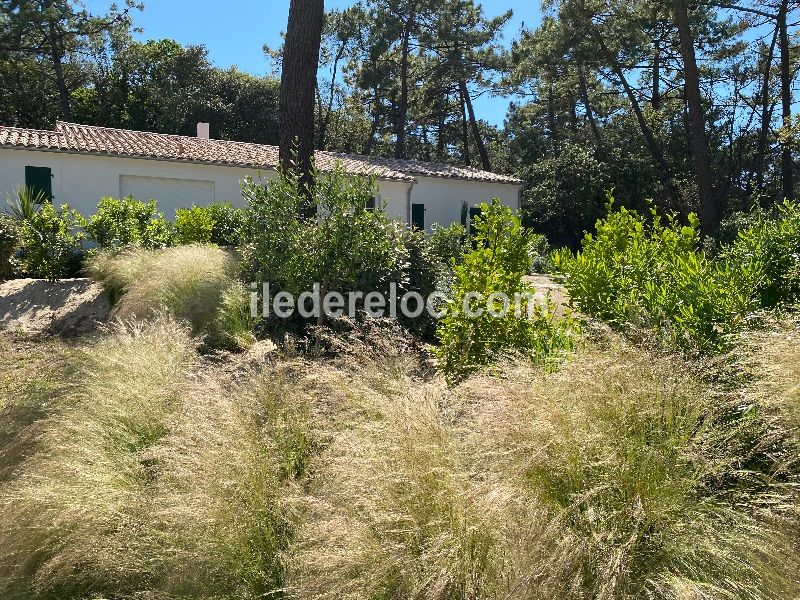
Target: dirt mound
[{"x": 70, "y": 307}]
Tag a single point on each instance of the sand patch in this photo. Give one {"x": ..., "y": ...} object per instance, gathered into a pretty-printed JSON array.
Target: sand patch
[{"x": 69, "y": 307}]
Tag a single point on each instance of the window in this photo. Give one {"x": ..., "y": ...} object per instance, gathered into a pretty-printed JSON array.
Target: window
[
  {"x": 474, "y": 211},
  {"x": 40, "y": 181},
  {"x": 418, "y": 216},
  {"x": 370, "y": 204}
]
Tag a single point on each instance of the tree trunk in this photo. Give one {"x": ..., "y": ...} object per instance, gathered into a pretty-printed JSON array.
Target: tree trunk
[
  {"x": 373, "y": 127},
  {"x": 476, "y": 132},
  {"x": 766, "y": 114},
  {"x": 656, "y": 98},
  {"x": 709, "y": 211},
  {"x": 464, "y": 130},
  {"x": 402, "y": 109},
  {"x": 787, "y": 175},
  {"x": 325, "y": 120},
  {"x": 440, "y": 139},
  {"x": 58, "y": 67},
  {"x": 298, "y": 84},
  {"x": 587, "y": 106}
]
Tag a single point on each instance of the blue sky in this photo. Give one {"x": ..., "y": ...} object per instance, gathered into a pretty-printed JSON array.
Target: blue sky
[{"x": 235, "y": 31}]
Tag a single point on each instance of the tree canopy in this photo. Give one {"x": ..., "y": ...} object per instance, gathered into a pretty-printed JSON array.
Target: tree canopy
[{"x": 685, "y": 104}]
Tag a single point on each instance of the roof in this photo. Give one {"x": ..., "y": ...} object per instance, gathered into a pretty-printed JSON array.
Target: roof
[{"x": 89, "y": 139}]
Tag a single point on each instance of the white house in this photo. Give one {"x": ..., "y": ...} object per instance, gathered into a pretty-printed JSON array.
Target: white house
[{"x": 79, "y": 164}]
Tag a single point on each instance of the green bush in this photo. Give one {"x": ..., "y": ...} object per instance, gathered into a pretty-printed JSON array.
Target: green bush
[
  {"x": 9, "y": 242},
  {"x": 350, "y": 249},
  {"x": 773, "y": 246},
  {"x": 566, "y": 193},
  {"x": 51, "y": 243},
  {"x": 450, "y": 244},
  {"x": 729, "y": 228},
  {"x": 193, "y": 225},
  {"x": 538, "y": 254},
  {"x": 127, "y": 222},
  {"x": 419, "y": 270},
  {"x": 497, "y": 265},
  {"x": 653, "y": 274},
  {"x": 228, "y": 224}
]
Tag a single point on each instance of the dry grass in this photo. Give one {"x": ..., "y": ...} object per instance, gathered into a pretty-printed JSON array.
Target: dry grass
[
  {"x": 772, "y": 365},
  {"x": 151, "y": 479},
  {"x": 65, "y": 505},
  {"x": 163, "y": 475},
  {"x": 605, "y": 480},
  {"x": 195, "y": 283},
  {"x": 629, "y": 456}
]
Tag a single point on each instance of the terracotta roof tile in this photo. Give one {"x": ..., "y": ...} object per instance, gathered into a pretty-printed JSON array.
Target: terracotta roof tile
[{"x": 71, "y": 137}]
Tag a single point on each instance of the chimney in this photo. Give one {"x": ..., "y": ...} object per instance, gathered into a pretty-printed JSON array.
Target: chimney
[{"x": 203, "y": 131}]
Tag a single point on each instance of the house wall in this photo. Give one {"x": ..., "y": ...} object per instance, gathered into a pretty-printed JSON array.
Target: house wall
[
  {"x": 443, "y": 198},
  {"x": 80, "y": 180}
]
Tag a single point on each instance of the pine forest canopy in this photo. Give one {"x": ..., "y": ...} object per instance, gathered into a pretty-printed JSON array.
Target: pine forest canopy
[{"x": 686, "y": 103}]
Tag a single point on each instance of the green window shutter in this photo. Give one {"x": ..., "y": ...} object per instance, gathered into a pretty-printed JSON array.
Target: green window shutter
[
  {"x": 473, "y": 212},
  {"x": 39, "y": 179},
  {"x": 418, "y": 216}
]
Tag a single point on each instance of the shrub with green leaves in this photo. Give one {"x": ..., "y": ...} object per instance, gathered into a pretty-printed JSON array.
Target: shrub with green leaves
[
  {"x": 497, "y": 265},
  {"x": 653, "y": 274},
  {"x": 538, "y": 254},
  {"x": 418, "y": 269},
  {"x": 449, "y": 244},
  {"x": 122, "y": 222},
  {"x": 9, "y": 242},
  {"x": 773, "y": 246},
  {"x": 193, "y": 225},
  {"x": 348, "y": 249},
  {"x": 51, "y": 243},
  {"x": 228, "y": 223}
]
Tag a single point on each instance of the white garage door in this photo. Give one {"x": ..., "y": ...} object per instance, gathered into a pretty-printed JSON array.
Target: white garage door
[{"x": 170, "y": 194}]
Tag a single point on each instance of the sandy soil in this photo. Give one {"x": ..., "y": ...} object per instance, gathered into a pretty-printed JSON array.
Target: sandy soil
[
  {"x": 545, "y": 285},
  {"x": 70, "y": 307}
]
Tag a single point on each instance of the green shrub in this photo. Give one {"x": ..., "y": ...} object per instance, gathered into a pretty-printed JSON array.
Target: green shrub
[
  {"x": 653, "y": 274},
  {"x": 127, "y": 222},
  {"x": 773, "y": 246},
  {"x": 497, "y": 265},
  {"x": 51, "y": 243},
  {"x": 350, "y": 249},
  {"x": 193, "y": 225},
  {"x": 194, "y": 283},
  {"x": 729, "y": 228},
  {"x": 421, "y": 270},
  {"x": 229, "y": 223},
  {"x": 450, "y": 244},
  {"x": 538, "y": 254},
  {"x": 9, "y": 243}
]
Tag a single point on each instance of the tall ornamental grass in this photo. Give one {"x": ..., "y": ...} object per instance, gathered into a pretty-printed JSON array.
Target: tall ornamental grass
[
  {"x": 197, "y": 284},
  {"x": 621, "y": 475},
  {"x": 145, "y": 479}
]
